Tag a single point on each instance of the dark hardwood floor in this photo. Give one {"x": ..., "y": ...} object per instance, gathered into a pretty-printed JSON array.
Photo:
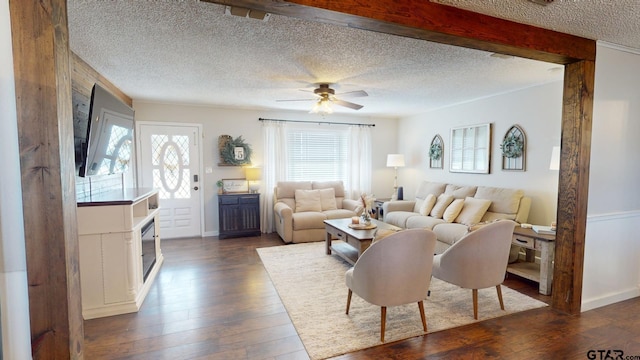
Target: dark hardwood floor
[{"x": 213, "y": 300}]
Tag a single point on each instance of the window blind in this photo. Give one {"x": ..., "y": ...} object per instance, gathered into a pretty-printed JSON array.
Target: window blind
[{"x": 317, "y": 154}]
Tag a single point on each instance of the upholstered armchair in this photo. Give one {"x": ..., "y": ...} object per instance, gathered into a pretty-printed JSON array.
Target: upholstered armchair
[
  {"x": 478, "y": 260},
  {"x": 393, "y": 271}
]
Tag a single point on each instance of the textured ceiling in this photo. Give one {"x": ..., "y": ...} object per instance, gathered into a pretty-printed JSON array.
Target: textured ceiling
[{"x": 192, "y": 52}]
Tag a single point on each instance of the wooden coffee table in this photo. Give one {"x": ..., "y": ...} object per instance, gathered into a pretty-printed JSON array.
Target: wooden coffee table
[{"x": 353, "y": 242}]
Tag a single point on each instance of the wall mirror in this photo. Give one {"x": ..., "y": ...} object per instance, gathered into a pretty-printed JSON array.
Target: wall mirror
[{"x": 470, "y": 150}]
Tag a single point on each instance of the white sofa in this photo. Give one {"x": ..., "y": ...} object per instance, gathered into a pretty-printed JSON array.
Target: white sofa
[
  {"x": 456, "y": 209},
  {"x": 300, "y": 208}
]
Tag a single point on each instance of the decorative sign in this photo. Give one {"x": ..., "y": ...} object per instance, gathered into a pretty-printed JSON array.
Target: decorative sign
[{"x": 235, "y": 186}]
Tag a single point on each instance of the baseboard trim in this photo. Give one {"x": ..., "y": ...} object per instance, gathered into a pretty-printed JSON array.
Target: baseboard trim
[{"x": 610, "y": 299}]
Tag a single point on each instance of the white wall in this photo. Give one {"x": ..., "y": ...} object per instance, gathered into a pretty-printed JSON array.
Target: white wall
[
  {"x": 15, "y": 333},
  {"x": 235, "y": 122},
  {"x": 538, "y": 110},
  {"x": 612, "y": 251}
]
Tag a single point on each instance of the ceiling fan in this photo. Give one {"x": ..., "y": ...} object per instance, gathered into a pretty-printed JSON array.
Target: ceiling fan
[{"x": 326, "y": 97}]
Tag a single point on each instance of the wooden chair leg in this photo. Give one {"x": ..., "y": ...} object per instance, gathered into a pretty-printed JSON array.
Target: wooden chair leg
[
  {"x": 349, "y": 301},
  {"x": 500, "y": 296},
  {"x": 475, "y": 303},
  {"x": 383, "y": 321},
  {"x": 424, "y": 318}
]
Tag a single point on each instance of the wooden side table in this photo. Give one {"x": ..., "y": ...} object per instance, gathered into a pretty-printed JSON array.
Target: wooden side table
[
  {"x": 529, "y": 269},
  {"x": 377, "y": 207}
]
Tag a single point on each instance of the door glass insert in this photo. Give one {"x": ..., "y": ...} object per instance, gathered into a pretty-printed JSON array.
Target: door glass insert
[{"x": 170, "y": 161}]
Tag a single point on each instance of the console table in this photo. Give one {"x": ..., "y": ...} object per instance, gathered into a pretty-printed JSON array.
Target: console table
[
  {"x": 238, "y": 215},
  {"x": 529, "y": 269},
  {"x": 112, "y": 247}
]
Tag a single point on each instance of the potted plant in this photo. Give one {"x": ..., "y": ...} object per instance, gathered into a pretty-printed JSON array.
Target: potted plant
[{"x": 219, "y": 184}]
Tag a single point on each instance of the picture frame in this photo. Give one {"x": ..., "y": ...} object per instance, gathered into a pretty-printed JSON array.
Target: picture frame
[
  {"x": 231, "y": 186},
  {"x": 470, "y": 149}
]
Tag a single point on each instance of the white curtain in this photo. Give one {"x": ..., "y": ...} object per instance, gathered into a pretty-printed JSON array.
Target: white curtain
[
  {"x": 274, "y": 168},
  {"x": 360, "y": 160}
]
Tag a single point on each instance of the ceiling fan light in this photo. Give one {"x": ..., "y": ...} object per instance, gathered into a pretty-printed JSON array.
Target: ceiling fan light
[
  {"x": 322, "y": 106},
  {"x": 325, "y": 107}
]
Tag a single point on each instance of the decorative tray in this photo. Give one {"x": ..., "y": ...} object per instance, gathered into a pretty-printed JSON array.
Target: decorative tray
[{"x": 363, "y": 226}]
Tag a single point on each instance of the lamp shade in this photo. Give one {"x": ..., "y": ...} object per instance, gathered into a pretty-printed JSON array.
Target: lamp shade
[
  {"x": 253, "y": 173},
  {"x": 555, "y": 158},
  {"x": 395, "y": 160}
]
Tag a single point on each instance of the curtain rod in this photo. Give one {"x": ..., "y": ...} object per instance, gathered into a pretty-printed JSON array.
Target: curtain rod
[{"x": 316, "y": 122}]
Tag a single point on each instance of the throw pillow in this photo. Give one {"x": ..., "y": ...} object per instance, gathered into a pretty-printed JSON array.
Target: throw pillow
[
  {"x": 441, "y": 205},
  {"x": 427, "y": 205},
  {"x": 453, "y": 210},
  {"x": 472, "y": 211},
  {"x": 328, "y": 199},
  {"x": 308, "y": 200}
]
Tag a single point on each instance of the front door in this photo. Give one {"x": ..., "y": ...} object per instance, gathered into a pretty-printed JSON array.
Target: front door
[{"x": 170, "y": 162}]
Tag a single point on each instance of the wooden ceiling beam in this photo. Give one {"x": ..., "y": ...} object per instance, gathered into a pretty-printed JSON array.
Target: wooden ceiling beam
[{"x": 439, "y": 23}]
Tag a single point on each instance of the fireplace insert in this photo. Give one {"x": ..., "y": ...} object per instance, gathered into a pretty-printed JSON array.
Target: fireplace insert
[{"x": 148, "y": 248}]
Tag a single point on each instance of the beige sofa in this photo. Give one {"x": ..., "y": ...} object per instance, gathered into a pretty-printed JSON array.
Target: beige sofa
[
  {"x": 300, "y": 208},
  {"x": 451, "y": 210}
]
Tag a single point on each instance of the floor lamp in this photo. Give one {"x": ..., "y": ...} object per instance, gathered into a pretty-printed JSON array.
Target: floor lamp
[{"x": 395, "y": 161}]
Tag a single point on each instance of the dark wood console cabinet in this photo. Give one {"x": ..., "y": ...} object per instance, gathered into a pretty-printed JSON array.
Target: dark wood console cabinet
[{"x": 239, "y": 215}]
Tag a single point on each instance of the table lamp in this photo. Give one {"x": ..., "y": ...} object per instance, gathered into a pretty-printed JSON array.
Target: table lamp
[
  {"x": 253, "y": 175},
  {"x": 395, "y": 161}
]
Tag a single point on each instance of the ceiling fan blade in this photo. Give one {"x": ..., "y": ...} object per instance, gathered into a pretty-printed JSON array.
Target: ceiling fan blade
[
  {"x": 347, "y": 104},
  {"x": 357, "y": 93}
]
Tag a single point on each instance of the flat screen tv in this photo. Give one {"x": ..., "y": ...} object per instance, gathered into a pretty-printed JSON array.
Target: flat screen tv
[{"x": 103, "y": 136}]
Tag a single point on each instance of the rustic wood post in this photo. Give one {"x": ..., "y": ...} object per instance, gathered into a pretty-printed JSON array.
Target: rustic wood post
[{"x": 45, "y": 129}]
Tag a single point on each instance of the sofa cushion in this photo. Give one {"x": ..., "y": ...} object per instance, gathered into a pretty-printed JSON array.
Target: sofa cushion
[
  {"x": 308, "y": 220},
  {"x": 337, "y": 186},
  {"x": 503, "y": 200},
  {"x": 441, "y": 205},
  {"x": 308, "y": 200},
  {"x": 399, "y": 218},
  {"x": 419, "y": 221},
  {"x": 453, "y": 210},
  {"x": 287, "y": 189},
  {"x": 428, "y": 187},
  {"x": 460, "y": 192},
  {"x": 449, "y": 233},
  {"x": 328, "y": 199},
  {"x": 472, "y": 211},
  {"x": 339, "y": 214},
  {"x": 427, "y": 205}
]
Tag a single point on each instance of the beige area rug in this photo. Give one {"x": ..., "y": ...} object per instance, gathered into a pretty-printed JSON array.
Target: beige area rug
[{"x": 312, "y": 288}]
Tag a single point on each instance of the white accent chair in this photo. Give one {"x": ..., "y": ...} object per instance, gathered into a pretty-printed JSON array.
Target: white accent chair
[
  {"x": 393, "y": 271},
  {"x": 478, "y": 260}
]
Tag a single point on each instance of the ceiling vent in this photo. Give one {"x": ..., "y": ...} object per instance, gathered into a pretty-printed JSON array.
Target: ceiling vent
[
  {"x": 248, "y": 13},
  {"x": 542, "y": 2}
]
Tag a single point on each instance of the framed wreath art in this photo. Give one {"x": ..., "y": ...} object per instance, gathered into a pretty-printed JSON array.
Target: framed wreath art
[
  {"x": 234, "y": 152},
  {"x": 513, "y": 149},
  {"x": 435, "y": 152}
]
